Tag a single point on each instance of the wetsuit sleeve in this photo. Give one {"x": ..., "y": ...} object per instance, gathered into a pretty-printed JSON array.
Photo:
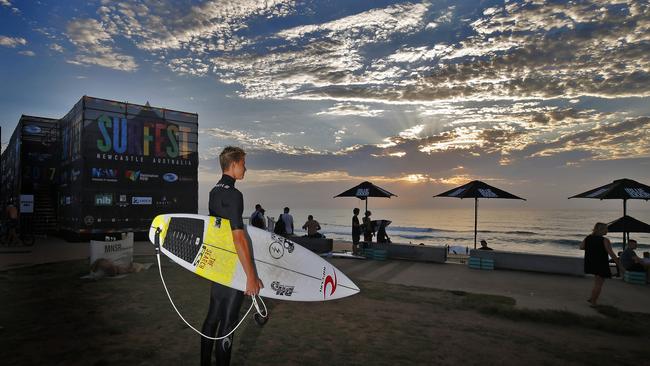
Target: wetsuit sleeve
[{"x": 236, "y": 221}]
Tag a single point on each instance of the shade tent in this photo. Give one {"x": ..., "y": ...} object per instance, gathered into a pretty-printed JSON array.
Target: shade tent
[
  {"x": 620, "y": 189},
  {"x": 628, "y": 224},
  {"x": 477, "y": 189},
  {"x": 365, "y": 190}
]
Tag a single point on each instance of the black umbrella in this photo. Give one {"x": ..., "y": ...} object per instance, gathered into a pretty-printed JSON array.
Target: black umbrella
[
  {"x": 365, "y": 190},
  {"x": 621, "y": 189},
  {"x": 477, "y": 189},
  {"x": 628, "y": 224}
]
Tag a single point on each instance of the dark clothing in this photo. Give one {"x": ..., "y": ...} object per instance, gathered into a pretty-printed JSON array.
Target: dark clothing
[
  {"x": 485, "y": 248},
  {"x": 356, "y": 230},
  {"x": 596, "y": 257},
  {"x": 627, "y": 258},
  {"x": 367, "y": 229},
  {"x": 627, "y": 261},
  {"x": 223, "y": 313},
  {"x": 228, "y": 203}
]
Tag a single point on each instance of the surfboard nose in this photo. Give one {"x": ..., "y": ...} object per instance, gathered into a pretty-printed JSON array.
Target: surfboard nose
[{"x": 345, "y": 286}]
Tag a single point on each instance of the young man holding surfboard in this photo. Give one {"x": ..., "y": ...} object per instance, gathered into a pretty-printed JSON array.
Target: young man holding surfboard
[{"x": 227, "y": 202}]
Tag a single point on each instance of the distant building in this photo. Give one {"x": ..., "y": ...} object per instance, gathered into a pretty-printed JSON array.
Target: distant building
[{"x": 105, "y": 167}]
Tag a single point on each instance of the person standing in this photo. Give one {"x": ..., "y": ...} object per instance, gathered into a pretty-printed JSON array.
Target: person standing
[
  {"x": 12, "y": 222},
  {"x": 227, "y": 202},
  {"x": 356, "y": 231},
  {"x": 288, "y": 221},
  {"x": 597, "y": 248},
  {"x": 368, "y": 230}
]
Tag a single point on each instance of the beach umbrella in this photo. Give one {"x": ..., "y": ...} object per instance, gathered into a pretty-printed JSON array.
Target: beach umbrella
[
  {"x": 477, "y": 189},
  {"x": 621, "y": 189},
  {"x": 365, "y": 190},
  {"x": 628, "y": 224}
]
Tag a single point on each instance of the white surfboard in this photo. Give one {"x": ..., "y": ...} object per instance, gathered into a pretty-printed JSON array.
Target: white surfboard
[{"x": 204, "y": 245}]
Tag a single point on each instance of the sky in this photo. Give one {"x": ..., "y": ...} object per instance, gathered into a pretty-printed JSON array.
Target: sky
[{"x": 542, "y": 99}]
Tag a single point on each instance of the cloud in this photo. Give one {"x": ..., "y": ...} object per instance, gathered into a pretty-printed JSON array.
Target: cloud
[
  {"x": 57, "y": 48},
  {"x": 349, "y": 109},
  {"x": 27, "y": 53},
  {"x": 96, "y": 46},
  {"x": 6, "y": 3},
  {"x": 12, "y": 42}
]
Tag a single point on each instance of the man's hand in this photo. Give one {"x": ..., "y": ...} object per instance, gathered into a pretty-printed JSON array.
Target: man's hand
[{"x": 253, "y": 286}]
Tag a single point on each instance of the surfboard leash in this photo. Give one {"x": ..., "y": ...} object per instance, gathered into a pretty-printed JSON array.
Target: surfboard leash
[{"x": 254, "y": 298}]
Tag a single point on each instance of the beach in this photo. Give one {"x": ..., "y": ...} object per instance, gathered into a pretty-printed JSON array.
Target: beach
[{"x": 406, "y": 313}]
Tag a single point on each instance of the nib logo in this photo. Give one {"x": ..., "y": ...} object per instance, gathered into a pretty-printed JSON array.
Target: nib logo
[{"x": 132, "y": 175}]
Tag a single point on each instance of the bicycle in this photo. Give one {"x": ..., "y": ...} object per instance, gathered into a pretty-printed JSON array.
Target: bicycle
[{"x": 25, "y": 237}]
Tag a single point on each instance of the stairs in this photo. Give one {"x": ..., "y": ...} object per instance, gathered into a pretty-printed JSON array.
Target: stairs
[{"x": 44, "y": 220}]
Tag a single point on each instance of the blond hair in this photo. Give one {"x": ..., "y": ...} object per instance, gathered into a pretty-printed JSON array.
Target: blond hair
[
  {"x": 230, "y": 155},
  {"x": 600, "y": 229}
]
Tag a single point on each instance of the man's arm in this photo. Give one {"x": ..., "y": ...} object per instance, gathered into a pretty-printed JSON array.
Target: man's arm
[
  {"x": 253, "y": 283},
  {"x": 608, "y": 247}
]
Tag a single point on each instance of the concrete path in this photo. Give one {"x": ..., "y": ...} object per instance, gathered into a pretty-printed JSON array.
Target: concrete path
[{"x": 530, "y": 290}]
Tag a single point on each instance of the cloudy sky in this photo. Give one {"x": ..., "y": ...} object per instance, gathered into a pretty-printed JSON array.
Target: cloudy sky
[{"x": 544, "y": 99}]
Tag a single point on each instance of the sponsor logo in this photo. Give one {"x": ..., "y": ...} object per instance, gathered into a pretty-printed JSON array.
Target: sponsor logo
[
  {"x": 75, "y": 174},
  {"x": 328, "y": 280},
  {"x": 137, "y": 175},
  {"x": 89, "y": 220},
  {"x": 282, "y": 290},
  {"x": 141, "y": 200},
  {"x": 363, "y": 192},
  {"x": 170, "y": 177},
  {"x": 104, "y": 199},
  {"x": 132, "y": 175},
  {"x": 457, "y": 192},
  {"x": 165, "y": 202},
  {"x": 32, "y": 129},
  {"x": 487, "y": 193},
  {"x": 276, "y": 249},
  {"x": 637, "y": 193},
  {"x": 104, "y": 175},
  {"x": 122, "y": 201},
  {"x": 279, "y": 241}
]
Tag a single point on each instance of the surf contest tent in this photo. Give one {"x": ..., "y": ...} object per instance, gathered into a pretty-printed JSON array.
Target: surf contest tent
[
  {"x": 620, "y": 189},
  {"x": 365, "y": 190},
  {"x": 477, "y": 189}
]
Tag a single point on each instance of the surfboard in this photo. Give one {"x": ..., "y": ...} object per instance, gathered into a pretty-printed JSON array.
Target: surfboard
[
  {"x": 204, "y": 246},
  {"x": 343, "y": 254}
]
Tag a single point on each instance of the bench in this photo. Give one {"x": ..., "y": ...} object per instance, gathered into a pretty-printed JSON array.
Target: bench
[
  {"x": 573, "y": 266},
  {"x": 316, "y": 245},
  {"x": 420, "y": 253}
]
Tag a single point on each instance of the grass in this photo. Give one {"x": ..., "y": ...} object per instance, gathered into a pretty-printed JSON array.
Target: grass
[{"x": 50, "y": 316}]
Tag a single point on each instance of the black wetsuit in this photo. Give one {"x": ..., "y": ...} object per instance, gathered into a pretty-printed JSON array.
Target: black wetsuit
[{"x": 226, "y": 202}]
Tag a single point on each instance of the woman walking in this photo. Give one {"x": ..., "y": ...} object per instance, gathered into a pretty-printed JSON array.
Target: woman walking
[{"x": 597, "y": 249}]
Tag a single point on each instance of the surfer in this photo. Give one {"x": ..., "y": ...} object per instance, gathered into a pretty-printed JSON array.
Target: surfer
[{"x": 227, "y": 202}]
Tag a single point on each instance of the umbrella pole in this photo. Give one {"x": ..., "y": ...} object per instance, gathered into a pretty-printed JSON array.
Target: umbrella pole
[
  {"x": 366, "y": 206},
  {"x": 624, "y": 214},
  {"x": 475, "y": 218}
]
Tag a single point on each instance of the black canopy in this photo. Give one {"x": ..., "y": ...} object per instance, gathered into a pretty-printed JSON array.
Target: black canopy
[
  {"x": 365, "y": 190},
  {"x": 628, "y": 224},
  {"x": 477, "y": 189},
  {"x": 621, "y": 189}
]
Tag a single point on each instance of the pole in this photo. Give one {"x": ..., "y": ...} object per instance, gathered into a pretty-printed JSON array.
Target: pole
[
  {"x": 624, "y": 214},
  {"x": 475, "y": 218},
  {"x": 366, "y": 206}
]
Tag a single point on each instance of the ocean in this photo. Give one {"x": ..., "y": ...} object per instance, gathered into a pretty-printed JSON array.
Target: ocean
[{"x": 521, "y": 230}]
